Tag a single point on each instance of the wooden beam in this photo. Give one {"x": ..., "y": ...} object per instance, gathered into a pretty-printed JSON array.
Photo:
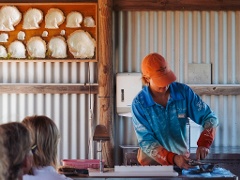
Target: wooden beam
[
  {"x": 105, "y": 75},
  {"x": 32, "y": 88},
  {"x": 216, "y": 89},
  {"x": 182, "y": 5},
  {"x": 48, "y": 1}
]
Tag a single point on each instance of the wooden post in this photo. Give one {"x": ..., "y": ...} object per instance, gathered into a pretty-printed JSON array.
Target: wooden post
[{"x": 105, "y": 77}]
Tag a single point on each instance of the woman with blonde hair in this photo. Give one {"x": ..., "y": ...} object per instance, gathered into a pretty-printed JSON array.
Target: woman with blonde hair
[
  {"x": 45, "y": 135},
  {"x": 160, "y": 114},
  {"x": 16, "y": 155}
]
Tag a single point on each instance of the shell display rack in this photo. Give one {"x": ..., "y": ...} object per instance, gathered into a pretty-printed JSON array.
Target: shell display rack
[{"x": 86, "y": 9}]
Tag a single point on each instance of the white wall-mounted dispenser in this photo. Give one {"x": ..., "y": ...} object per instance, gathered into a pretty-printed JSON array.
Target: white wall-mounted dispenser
[{"x": 128, "y": 85}]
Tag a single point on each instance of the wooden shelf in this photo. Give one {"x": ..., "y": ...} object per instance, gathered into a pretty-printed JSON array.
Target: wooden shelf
[
  {"x": 48, "y": 60},
  {"x": 216, "y": 89},
  {"x": 176, "y": 5},
  {"x": 62, "y": 88},
  {"x": 43, "y": 88}
]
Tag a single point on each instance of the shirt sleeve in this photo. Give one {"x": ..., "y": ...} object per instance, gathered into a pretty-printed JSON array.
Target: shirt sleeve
[
  {"x": 201, "y": 113},
  {"x": 147, "y": 140}
]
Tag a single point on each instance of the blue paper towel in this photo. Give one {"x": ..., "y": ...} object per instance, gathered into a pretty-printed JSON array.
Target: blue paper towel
[{"x": 217, "y": 172}]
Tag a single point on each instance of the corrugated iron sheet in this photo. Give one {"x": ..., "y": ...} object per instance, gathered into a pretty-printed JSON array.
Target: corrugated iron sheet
[
  {"x": 70, "y": 112},
  {"x": 183, "y": 37}
]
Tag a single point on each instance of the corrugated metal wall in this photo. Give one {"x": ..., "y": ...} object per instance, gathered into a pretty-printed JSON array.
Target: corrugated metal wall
[
  {"x": 69, "y": 111},
  {"x": 183, "y": 37}
]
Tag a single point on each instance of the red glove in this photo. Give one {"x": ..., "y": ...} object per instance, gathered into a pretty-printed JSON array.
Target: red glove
[{"x": 206, "y": 138}]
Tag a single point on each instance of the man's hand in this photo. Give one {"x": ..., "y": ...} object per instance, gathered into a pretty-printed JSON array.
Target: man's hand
[
  {"x": 202, "y": 152},
  {"x": 182, "y": 162}
]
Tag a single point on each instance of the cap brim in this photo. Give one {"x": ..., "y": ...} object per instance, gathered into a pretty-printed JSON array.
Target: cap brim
[{"x": 166, "y": 79}]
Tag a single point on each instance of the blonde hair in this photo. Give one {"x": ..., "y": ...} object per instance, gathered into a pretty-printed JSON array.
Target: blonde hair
[
  {"x": 144, "y": 81},
  {"x": 45, "y": 134},
  {"x": 17, "y": 142}
]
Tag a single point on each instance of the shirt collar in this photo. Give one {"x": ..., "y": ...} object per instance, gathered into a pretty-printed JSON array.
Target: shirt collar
[
  {"x": 148, "y": 100},
  {"x": 43, "y": 169},
  {"x": 175, "y": 94}
]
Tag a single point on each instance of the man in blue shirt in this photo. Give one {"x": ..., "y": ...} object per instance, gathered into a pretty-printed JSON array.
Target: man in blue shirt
[{"x": 160, "y": 113}]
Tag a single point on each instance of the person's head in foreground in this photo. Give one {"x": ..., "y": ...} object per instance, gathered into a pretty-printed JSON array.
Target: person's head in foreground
[
  {"x": 157, "y": 73},
  {"x": 45, "y": 135},
  {"x": 17, "y": 143},
  {"x": 3, "y": 160}
]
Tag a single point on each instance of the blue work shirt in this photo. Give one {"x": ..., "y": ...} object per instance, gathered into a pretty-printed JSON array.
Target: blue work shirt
[{"x": 158, "y": 126}]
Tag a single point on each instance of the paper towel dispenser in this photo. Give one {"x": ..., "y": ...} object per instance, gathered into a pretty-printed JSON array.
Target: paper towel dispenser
[{"x": 128, "y": 85}]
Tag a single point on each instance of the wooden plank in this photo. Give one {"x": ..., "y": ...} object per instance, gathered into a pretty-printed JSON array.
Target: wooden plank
[
  {"x": 48, "y": 1},
  {"x": 216, "y": 90},
  {"x": 86, "y": 9},
  {"x": 25, "y": 88},
  {"x": 39, "y": 88},
  {"x": 105, "y": 76},
  {"x": 48, "y": 60},
  {"x": 183, "y": 5}
]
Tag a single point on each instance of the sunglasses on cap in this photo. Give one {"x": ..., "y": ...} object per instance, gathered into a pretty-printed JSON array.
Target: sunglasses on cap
[{"x": 34, "y": 148}]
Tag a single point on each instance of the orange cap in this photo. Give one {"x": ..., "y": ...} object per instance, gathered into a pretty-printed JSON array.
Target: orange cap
[{"x": 157, "y": 68}]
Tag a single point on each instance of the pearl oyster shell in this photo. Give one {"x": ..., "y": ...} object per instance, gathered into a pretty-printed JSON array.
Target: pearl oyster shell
[
  {"x": 3, "y": 51},
  {"x": 57, "y": 47},
  {"x": 21, "y": 35},
  {"x": 36, "y": 47},
  {"x": 32, "y": 18},
  {"x": 10, "y": 16},
  {"x": 63, "y": 32},
  {"x": 4, "y": 37},
  {"x": 17, "y": 49},
  {"x": 89, "y": 22},
  {"x": 74, "y": 19},
  {"x": 54, "y": 18},
  {"x": 81, "y": 44},
  {"x": 45, "y": 34}
]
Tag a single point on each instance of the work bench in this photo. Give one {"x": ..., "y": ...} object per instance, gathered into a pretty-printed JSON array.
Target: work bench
[
  {"x": 224, "y": 157},
  {"x": 180, "y": 177},
  {"x": 157, "y": 178}
]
